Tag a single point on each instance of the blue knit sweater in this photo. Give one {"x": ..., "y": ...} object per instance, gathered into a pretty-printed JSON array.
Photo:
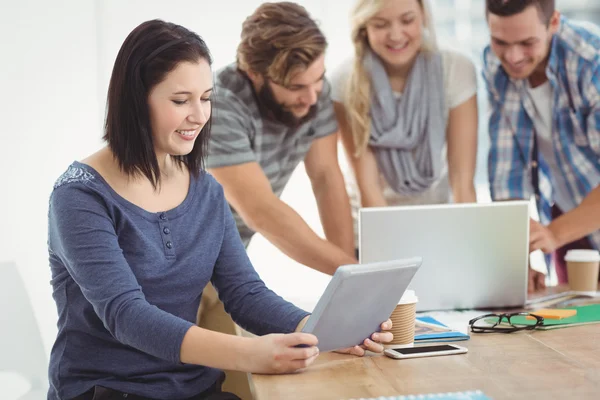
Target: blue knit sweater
[{"x": 127, "y": 285}]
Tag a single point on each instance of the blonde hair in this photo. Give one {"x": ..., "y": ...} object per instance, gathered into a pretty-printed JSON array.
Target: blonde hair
[
  {"x": 279, "y": 40},
  {"x": 357, "y": 96}
]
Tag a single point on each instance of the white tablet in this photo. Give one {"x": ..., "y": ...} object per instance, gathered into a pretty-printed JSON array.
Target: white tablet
[{"x": 357, "y": 300}]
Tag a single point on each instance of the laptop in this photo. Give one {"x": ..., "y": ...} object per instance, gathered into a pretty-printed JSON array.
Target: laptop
[{"x": 474, "y": 255}]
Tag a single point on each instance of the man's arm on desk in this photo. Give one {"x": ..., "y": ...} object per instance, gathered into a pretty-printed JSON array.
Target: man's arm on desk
[
  {"x": 575, "y": 224},
  {"x": 248, "y": 190},
  {"x": 585, "y": 218}
]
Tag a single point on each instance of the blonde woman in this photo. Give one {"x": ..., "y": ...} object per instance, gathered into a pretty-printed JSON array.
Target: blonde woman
[{"x": 407, "y": 111}]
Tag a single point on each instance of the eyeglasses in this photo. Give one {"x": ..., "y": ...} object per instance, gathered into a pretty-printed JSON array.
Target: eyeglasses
[{"x": 494, "y": 323}]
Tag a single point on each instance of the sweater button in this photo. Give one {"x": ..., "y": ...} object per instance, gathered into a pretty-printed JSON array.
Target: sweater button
[
  {"x": 169, "y": 245},
  {"x": 166, "y": 231},
  {"x": 163, "y": 216}
]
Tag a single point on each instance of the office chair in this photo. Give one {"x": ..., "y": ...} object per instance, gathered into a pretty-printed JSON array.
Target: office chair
[{"x": 21, "y": 347}]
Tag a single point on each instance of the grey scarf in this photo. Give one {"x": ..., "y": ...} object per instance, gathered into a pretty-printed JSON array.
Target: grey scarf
[{"x": 407, "y": 134}]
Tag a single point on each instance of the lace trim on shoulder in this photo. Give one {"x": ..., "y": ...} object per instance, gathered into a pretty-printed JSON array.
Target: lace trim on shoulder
[{"x": 73, "y": 174}]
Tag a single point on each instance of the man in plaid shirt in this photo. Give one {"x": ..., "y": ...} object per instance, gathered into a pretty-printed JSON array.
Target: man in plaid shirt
[{"x": 543, "y": 79}]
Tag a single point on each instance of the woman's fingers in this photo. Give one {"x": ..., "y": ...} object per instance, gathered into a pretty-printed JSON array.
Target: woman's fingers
[
  {"x": 382, "y": 337},
  {"x": 373, "y": 346},
  {"x": 299, "y": 339},
  {"x": 295, "y": 365},
  {"x": 387, "y": 325},
  {"x": 294, "y": 353},
  {"x": 357, "y": 351}
]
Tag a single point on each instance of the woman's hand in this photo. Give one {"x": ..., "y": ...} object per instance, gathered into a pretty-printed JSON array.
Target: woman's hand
[
  {"x": 278, "y": 354},
  {"x": 374, "y": 343}
]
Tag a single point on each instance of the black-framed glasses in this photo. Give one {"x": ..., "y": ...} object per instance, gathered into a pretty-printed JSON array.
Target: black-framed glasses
[{"x": 503, "y": 322}]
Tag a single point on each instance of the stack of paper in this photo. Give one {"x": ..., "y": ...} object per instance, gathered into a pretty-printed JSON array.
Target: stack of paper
[
  {"x": 428, "y": 329},
  {"x": 564, "y": 299}
]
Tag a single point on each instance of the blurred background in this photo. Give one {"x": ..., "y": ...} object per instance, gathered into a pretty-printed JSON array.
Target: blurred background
[{"x": 56, "y": 62}]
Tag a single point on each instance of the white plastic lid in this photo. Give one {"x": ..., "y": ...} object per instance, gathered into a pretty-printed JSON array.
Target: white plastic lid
[
  {"x": 408, "y": 297},
  {"x": 582, "y": 255}
]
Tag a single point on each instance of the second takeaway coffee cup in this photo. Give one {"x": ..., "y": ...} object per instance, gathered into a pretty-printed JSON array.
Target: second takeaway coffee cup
[
  {"x": 582, "y": 269},
  {"x": 403, "y": 320}
]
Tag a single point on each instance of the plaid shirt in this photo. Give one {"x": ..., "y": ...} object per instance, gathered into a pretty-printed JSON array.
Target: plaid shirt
[{"x": 574, "y": 73}]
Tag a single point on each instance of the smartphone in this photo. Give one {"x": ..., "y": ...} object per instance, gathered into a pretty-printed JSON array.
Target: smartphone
[{"x": 424, "y": 351}]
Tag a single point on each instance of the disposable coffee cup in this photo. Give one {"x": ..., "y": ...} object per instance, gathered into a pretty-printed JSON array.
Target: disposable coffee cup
[
  {"x": 582, "y": 269},
  {"x": 403, "y": 320}
]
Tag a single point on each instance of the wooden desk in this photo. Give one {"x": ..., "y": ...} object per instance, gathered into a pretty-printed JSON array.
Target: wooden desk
[{"x": 556, "y": 364}]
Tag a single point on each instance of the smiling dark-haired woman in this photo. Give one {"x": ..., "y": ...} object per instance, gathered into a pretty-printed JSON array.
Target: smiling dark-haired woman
[{"x": 136, "y": 231}]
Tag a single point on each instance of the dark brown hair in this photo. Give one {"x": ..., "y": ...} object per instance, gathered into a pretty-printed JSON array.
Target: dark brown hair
[
  {"x": 147, "y": 55},
  {"x": 278, "y": 39},
  {"x": 506, "y": 8}
]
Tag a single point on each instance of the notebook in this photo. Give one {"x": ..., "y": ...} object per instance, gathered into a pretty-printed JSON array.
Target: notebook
[
  {"x": 468, "y": 395},
  {"x": 429, "y": 329},
  {"x": 585, "y": 315}
]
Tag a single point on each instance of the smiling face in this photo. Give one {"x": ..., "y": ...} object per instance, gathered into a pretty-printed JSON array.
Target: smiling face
[
  {"x": 522, "y": 41},
  {"x": 395, "y": 33},
  {"x": 180, "y": 107},
  {"x": 303, "y": 90},
  {"x": 296, "y": 102}
]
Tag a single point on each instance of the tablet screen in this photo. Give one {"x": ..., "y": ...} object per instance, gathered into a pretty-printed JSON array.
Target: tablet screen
[{"x": 357, "y": 300}]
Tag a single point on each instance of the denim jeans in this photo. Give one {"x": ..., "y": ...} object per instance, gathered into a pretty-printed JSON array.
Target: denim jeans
[{"x": 102, "y": 393}]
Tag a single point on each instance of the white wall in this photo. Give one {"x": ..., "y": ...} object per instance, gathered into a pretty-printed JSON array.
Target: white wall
[
  {"x": 49, "y": 117},
  {"x": 218, "y": 22}
]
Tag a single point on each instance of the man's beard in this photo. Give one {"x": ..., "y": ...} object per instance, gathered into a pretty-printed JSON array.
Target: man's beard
[{"x": 273, "y": 110}]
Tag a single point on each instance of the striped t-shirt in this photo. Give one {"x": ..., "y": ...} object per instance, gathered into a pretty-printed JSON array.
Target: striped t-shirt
[{"x": 239, "y": 134}]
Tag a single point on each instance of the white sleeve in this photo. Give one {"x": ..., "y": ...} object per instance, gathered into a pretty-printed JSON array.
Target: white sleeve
[
  {"x": 461, "y": 78},
  {"x": 339, "y": 80}
]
